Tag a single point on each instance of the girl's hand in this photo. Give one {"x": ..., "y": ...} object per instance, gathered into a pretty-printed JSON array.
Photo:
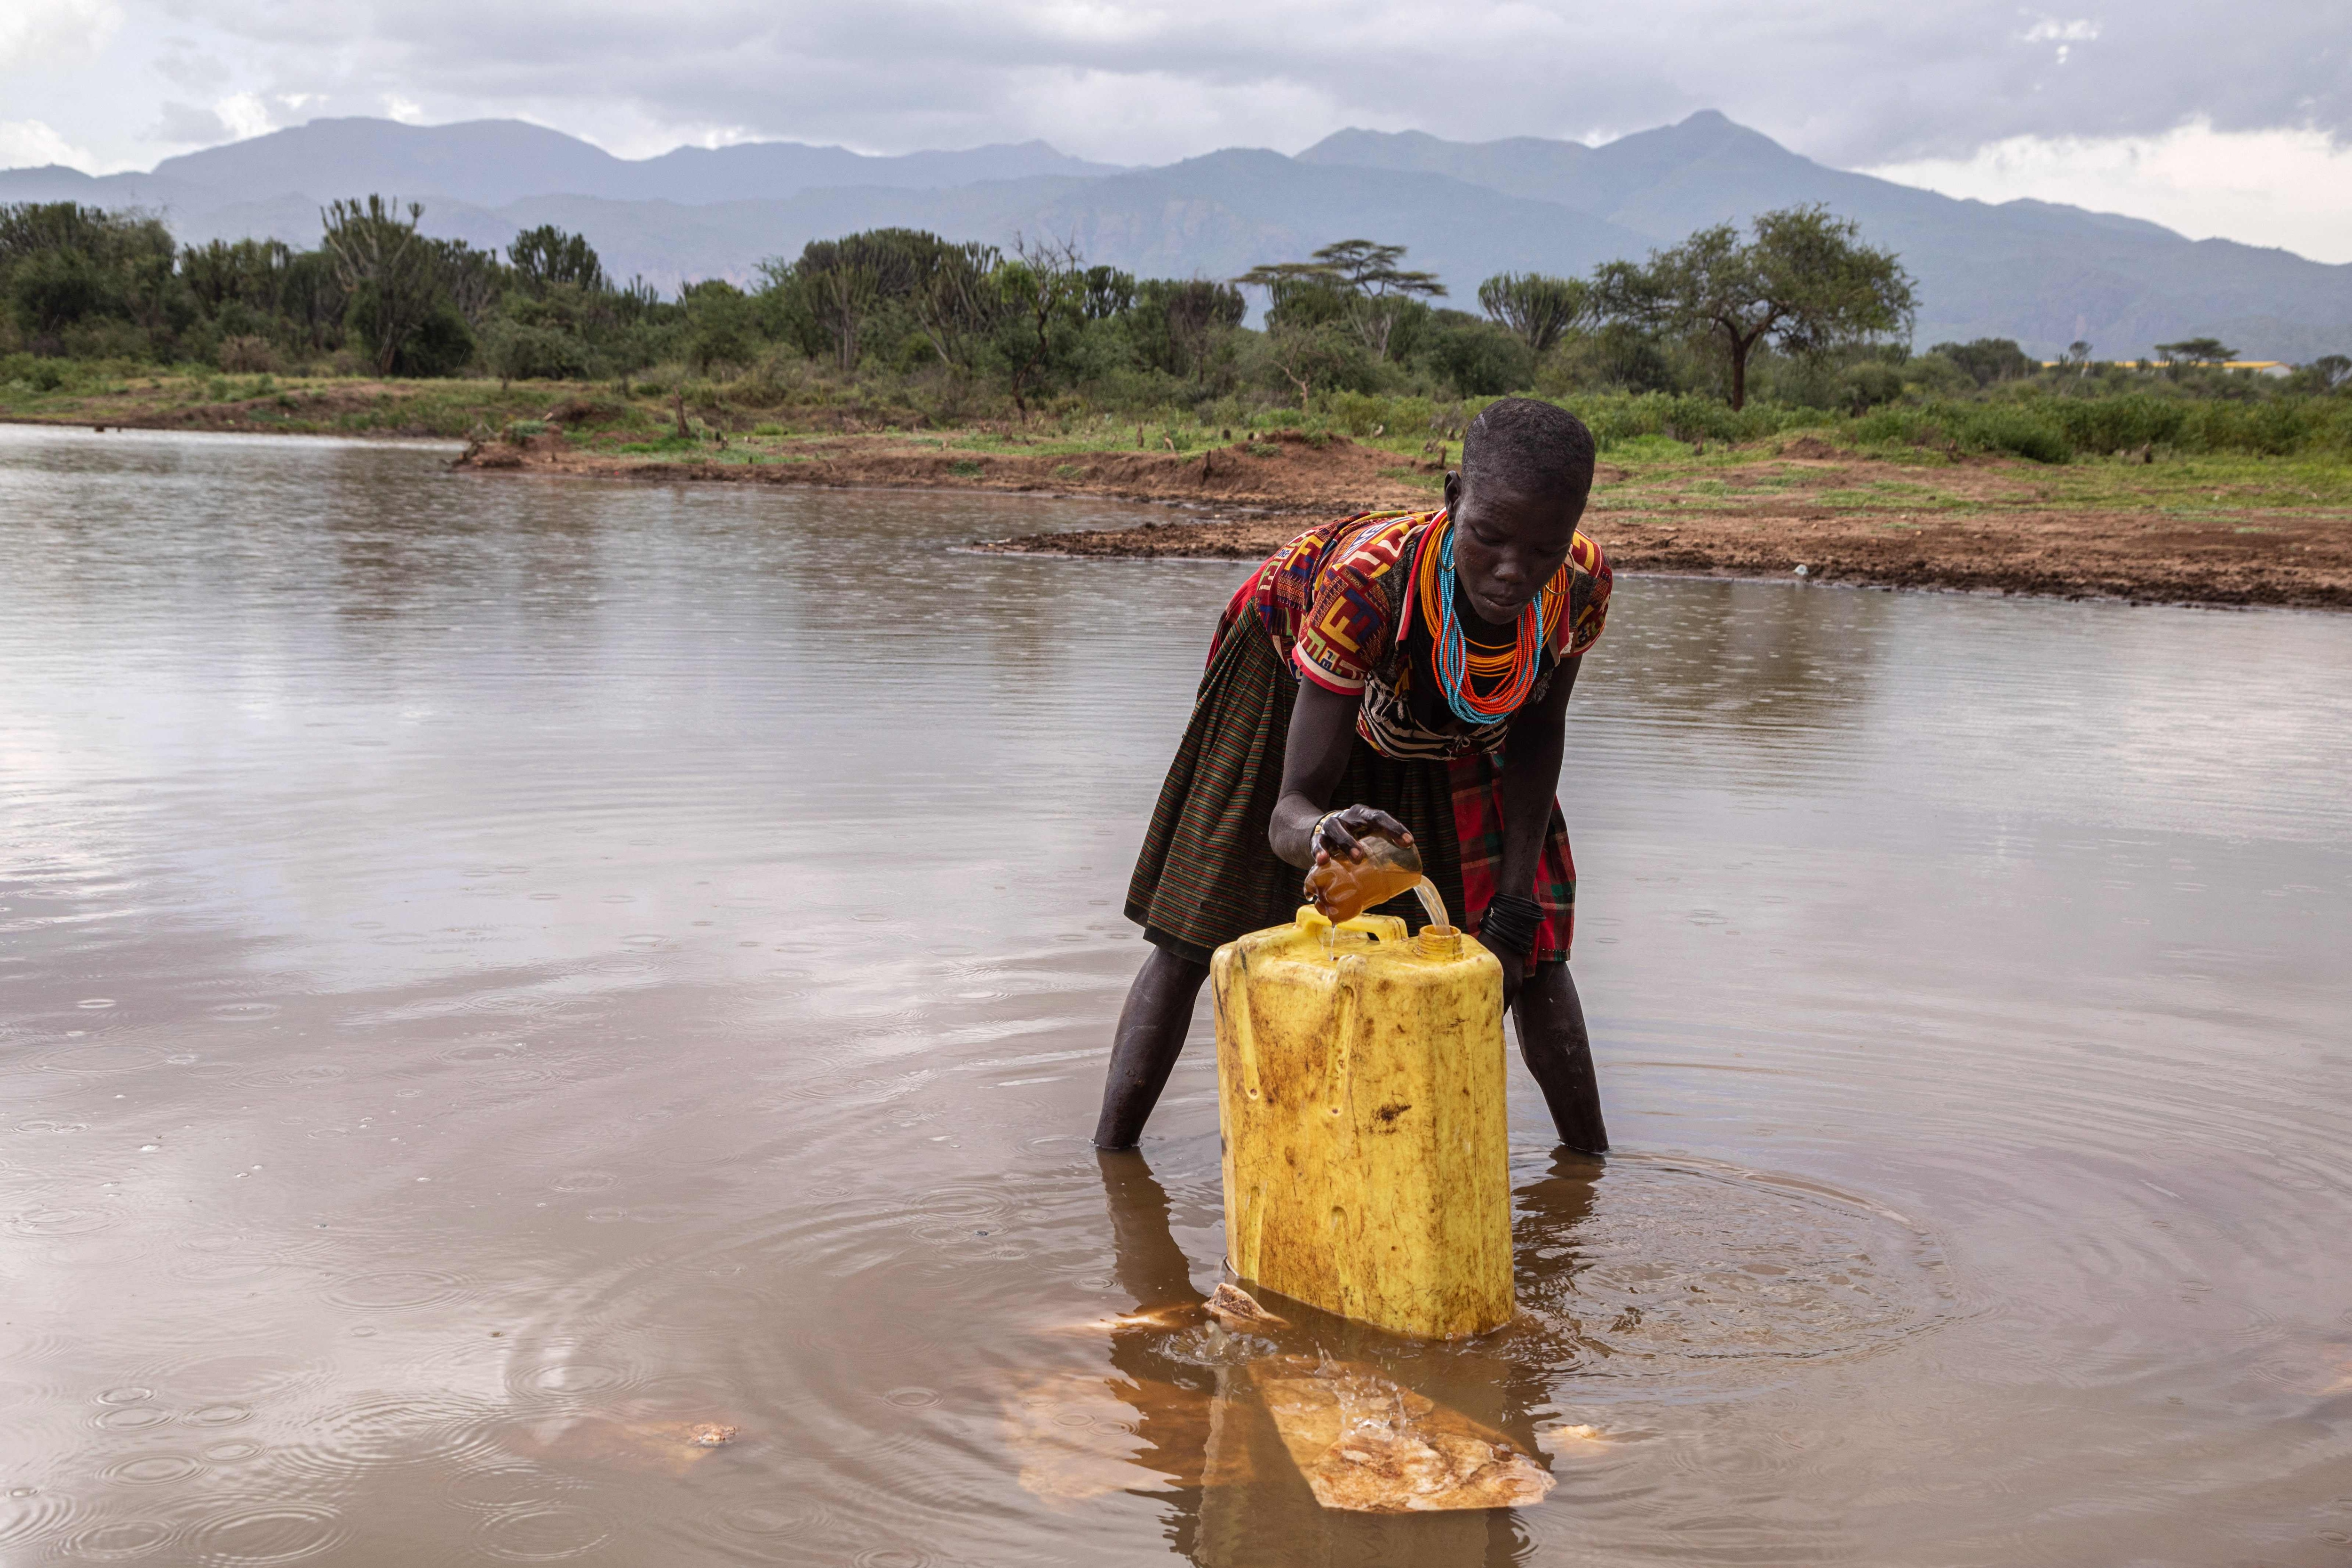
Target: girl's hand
[
  {"x": 1514, "y": 974},
  {"x": 1337, "y": 832}
]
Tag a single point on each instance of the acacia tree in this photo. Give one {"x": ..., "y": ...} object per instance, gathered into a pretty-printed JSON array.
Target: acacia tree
[
  {"x": 1805, "y": 281},
  {"x": 2195, "y": 350},
  {"x": 1286, "y": 280},
  {"x": 1535, "y": 309},
  {"x": 1375, "y": 293},
  {"x": 385, "y": 268},
  {"x": 1379, "y": 291}
]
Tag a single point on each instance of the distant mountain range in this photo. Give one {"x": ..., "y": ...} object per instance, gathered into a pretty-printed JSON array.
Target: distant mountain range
[{"x": 2040, "y": 273}]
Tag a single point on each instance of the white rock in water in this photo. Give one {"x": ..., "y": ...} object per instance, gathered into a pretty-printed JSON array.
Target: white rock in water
[{"x": 1236, "y": 1308}]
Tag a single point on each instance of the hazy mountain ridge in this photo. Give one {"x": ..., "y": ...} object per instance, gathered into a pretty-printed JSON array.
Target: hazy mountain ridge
[
  {"x": 2040, "y": 272},
  {"x": 490, "y": 162},
  {"x": 1215, "y": 215}
]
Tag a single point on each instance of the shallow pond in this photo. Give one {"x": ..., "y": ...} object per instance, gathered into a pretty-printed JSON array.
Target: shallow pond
[{"x": 498, "y": 975}]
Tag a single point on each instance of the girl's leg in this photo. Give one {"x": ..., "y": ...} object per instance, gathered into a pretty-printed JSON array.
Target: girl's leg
[
  {"x": 1558, "y": 1052},
  {"x": 1152, "y": 1029},
  {"x": 1144, "y": 1254}
]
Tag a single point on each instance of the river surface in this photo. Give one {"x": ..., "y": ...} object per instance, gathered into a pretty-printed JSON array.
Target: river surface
[{"x": 497, "y": 975}]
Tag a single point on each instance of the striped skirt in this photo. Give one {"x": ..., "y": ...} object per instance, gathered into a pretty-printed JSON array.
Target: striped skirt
[{"x": 1207, "y": 875}]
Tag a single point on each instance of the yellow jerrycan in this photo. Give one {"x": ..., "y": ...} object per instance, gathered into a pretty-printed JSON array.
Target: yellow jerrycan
[{"x": 1360, "y": 1092}]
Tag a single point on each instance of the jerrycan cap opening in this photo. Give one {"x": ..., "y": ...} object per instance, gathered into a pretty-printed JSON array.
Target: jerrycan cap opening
[{"x": 1439, "y": 942}]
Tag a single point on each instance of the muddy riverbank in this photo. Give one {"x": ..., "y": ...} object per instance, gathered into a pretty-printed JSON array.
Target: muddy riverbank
[
  {"x": 2210, "y": 531},
  {"x": 2065, "y": 554},
  {"x": 1280, "y": 473}
]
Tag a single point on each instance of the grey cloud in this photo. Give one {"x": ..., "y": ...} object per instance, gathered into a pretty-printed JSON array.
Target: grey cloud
[
  {"x": 182, "y": 123},
  {"x": 194, "y": 69},
  {"x": 1849, "y": 82}
]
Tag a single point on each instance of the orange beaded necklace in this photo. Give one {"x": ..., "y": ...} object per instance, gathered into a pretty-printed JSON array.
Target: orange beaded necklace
[{"x": 1460, "y": 665}]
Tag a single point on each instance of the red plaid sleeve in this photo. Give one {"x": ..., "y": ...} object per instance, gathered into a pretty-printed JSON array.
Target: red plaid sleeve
[
  {"x": 1589, "y": 584},
  {"x": 1348, "y": 623}
]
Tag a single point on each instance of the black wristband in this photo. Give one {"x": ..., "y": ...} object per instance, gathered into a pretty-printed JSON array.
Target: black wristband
[{"x": 1511, "y": 924}]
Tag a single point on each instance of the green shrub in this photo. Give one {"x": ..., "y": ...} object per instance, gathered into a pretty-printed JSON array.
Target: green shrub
[
  {"x": 1900, "y": 425},
  {"x": 441, "y": 345},
  {"x": 104, "y": 339},
  {"x": 33, "y": 372},
  {"x": 2017, "y": 430},
  {"x": 1617, "y": 417},
  {"x": 2275, "y": 427},
  {"x": 246, "y": 352},
  {"x": 2108, "y": 424},
  {"x": 1868, "y": 384},
  {"x": 1475, "y": 358},
  {"x": 512, "y": 352}
]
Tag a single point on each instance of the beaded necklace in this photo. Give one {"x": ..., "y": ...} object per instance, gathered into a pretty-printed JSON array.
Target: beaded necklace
[{"x": 1456, "y": 665}]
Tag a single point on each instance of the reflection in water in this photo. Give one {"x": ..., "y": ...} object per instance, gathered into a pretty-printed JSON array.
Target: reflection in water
[
  {"x": 502, "y": 976},
  {"x": 1775, "y": 670},
  {"x": 1234, "y": 1424}
]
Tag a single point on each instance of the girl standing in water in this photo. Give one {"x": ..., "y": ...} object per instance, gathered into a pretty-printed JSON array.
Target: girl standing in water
[{"x": 1399, "y": 673}]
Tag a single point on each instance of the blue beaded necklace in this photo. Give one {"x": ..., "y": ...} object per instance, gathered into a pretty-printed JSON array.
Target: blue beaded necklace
[{"x": 1453, "y": 659}]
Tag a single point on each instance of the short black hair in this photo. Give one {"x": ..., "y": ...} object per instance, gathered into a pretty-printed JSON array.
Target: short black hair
[{"x": 1528, "y": 447}]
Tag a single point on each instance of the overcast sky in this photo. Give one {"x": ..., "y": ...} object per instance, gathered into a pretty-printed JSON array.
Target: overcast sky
[{"x": 2226, "y": 119}]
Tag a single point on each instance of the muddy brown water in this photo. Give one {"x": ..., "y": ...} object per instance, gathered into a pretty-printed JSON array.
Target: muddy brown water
[{"x": 496, "y": 974}]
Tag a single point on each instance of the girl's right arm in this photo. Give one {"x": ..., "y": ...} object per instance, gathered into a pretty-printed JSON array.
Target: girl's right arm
[{"x": 1314, "y": 756}]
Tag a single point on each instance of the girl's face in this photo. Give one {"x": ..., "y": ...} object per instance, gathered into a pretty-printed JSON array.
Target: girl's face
[{"x": 1508, "y": 546}]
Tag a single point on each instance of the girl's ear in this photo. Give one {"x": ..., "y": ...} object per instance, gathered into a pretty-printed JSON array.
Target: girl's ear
[{"x": 1453, "y": 488}]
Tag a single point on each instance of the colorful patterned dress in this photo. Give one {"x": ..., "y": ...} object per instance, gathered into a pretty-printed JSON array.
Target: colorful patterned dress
[{"x": 1352, "y": 606}]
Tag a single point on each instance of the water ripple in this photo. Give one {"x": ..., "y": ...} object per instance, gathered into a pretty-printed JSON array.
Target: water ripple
[
  {"x": 542, "y": 1533},
  {"x": 254, "y": 1531}
]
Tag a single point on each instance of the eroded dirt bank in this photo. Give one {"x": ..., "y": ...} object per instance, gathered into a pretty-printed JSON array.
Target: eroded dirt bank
[
  {"x": 1287, "y": 474},
  {"x": 2163, "y": 532},
  {"x": 2069, "y": 554}
]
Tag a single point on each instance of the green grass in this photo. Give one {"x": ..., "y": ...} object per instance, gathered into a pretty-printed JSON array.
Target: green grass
[
  {"x": 1896, "y": 483},
  {"x": 1664, "y": 456}
]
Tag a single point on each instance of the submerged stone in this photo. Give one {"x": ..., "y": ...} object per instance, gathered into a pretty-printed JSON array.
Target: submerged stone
[{"x": 1368, "y": 1445}]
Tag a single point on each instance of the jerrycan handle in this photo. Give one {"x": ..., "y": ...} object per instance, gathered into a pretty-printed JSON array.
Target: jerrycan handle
[
  {"x": 1389, "y": 929},
  {"x": 1385, "y": 928}
]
